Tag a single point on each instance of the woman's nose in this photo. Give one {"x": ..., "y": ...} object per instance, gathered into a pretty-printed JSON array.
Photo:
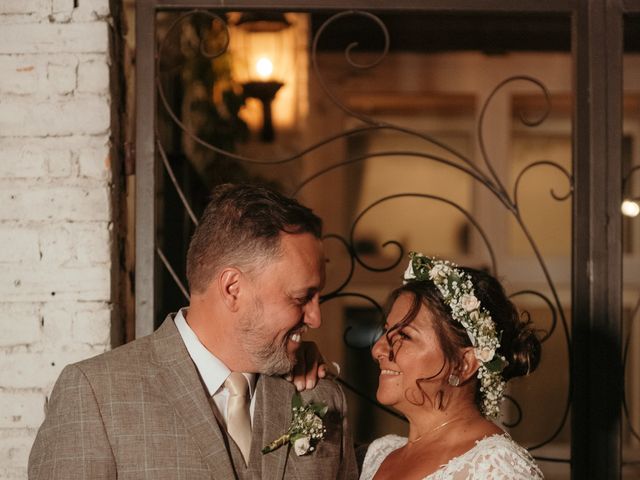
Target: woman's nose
[{"x": 380, "y": 348}]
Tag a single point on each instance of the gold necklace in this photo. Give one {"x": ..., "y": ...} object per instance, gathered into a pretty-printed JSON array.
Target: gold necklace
[{"x": 442, "y": 425}]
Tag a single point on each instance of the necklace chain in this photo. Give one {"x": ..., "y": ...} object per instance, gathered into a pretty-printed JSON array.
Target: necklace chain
[{"x": 442, "y": 425}]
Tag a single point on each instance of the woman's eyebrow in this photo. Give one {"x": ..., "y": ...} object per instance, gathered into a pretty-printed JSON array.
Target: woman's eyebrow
[{"x": 411, "y": 327}]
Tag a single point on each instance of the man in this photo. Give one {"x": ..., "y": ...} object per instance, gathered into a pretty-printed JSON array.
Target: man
[{"x": 200, "y": 397}]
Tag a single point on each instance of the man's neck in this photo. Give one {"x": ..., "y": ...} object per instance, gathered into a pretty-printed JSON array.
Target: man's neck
[{"x": 217, "y": 336}]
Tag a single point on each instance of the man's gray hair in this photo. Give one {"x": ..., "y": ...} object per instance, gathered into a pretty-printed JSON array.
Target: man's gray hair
[{"x": 241, "y": 227}]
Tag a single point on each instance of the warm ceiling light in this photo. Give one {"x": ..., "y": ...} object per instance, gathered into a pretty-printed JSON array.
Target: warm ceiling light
[
  {"x": 264, "y": 68},
  {"x": 630, "y": 208},
  {"x": 263, "y": 49}
]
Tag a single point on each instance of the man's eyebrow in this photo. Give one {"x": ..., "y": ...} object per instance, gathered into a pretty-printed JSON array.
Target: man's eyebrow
[{"x": 309, "y": 291}]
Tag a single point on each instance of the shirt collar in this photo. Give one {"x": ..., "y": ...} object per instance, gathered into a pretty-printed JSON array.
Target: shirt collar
[{"x": 210, "y": 367}]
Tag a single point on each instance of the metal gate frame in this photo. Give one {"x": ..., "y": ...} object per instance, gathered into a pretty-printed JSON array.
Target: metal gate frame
[{"x": 597, "y": 52}]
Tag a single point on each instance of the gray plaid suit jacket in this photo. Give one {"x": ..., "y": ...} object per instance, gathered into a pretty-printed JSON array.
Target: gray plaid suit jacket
[{"x": 141, "y": 411}]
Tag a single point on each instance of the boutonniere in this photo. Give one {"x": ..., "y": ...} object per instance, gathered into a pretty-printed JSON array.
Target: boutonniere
[{"x": 306, "y": 429}]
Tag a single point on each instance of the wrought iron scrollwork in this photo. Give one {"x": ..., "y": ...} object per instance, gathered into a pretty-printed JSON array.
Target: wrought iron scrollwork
[
  {"x": 487, "y": 177},
  {"x": 397, "y": 244}
]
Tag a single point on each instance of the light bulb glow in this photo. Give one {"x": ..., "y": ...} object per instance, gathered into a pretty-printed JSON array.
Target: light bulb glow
[
  {"x": 264, "y": 68},
  {"x": 630, "y": 208}
]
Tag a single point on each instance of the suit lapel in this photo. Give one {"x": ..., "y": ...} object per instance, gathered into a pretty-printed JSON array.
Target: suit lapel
[
  {"x": 273, "y": 409},
  {"x": 183, "y": 389}
]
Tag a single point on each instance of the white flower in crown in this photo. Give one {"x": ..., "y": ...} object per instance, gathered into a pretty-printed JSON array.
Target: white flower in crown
[
  {"x": 302, "y": 445},
  {"x": 409, "y": 273},
  {"x": 486, "y": 322},
  {"x": 472, "y": 337},
  {"x": 484, "y": 354},
  {"x": 469, "y": 302},
  {"x": 439, "y": 271}
]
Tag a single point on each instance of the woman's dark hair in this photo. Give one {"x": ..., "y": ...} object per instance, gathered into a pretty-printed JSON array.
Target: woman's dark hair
[{"x": 519, "y": 344}]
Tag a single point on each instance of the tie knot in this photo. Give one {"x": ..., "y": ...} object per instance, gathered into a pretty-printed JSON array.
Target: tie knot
[{"x": 237, "y": 384}]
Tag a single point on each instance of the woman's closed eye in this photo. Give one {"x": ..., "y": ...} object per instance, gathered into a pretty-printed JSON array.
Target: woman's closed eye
[
  {"x": 398, "y": 335},
  {"x": 403, "y": 335}
]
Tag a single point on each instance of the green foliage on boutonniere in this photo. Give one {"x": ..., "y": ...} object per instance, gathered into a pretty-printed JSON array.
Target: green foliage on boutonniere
[{"x": 306, "y": 429}]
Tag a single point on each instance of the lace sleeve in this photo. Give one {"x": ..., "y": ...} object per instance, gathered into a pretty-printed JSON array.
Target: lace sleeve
[
  {"x": 377, "y": 452},
  {"x": 497, "y": 457}
]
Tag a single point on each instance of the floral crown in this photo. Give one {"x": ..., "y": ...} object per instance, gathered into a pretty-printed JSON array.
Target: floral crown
[{"x": 456, "y": 289}]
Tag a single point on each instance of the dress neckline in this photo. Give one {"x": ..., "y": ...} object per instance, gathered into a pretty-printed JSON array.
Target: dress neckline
[{"x": 493, "y": 436}]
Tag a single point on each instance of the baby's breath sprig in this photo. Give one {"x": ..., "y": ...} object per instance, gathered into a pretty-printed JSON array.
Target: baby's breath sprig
[
  {"x": 306, "y": 430},
  {"x": 457, "y": 291}
]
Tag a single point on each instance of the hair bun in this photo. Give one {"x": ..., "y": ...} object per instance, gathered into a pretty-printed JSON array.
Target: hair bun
[{"x": 524, "y": 351}]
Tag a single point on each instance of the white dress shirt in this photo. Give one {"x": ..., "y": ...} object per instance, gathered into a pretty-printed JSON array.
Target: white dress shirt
[{"x": 211, "y": 369}]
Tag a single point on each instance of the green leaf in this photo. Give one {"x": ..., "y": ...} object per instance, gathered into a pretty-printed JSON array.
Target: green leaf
[
  {"x": 496, "y": 365},
  {"x": 320, "y": 409},
  {"x": 296, "y": 401}
]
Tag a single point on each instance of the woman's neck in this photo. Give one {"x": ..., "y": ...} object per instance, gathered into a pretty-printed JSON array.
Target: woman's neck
[{"x": 427, "y": 424}]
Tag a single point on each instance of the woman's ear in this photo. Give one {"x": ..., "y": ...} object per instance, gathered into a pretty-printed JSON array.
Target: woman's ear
[
  {"x": 469, "y": 364},
  {"x": 229, "y": 283}
]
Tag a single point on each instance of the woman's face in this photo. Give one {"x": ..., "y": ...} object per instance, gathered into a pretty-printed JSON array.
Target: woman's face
[{"x": 416, "y": 355}]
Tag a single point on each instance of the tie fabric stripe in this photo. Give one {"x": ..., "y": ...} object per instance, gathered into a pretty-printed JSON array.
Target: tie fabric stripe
[{"x": 238, "y": 417}]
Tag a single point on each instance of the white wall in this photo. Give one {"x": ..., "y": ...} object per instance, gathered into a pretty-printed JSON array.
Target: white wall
[{"x": 55, "y": 205}]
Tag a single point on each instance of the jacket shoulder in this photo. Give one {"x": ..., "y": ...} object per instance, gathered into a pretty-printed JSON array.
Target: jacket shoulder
[
  {"x": 125, "y": 359},
  {"x": 328, "y": 392}
]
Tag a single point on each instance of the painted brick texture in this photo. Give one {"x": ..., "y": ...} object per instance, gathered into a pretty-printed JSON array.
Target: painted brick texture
[{"x": 55, "y": 205}]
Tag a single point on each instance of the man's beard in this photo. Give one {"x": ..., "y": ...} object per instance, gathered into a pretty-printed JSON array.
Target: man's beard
[{"x": 269, "y": 356}]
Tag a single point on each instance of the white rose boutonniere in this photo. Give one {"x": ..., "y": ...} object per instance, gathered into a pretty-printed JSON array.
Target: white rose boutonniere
[
  {"x": 302, "y": 445},
  {"x": 306, "y": 430}
]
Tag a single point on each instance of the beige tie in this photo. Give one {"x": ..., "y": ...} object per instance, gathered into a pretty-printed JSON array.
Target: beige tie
[{"x": 238, "y": 418}]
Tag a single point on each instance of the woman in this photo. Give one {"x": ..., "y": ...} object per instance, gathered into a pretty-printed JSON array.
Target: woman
[{"x": 452, "y": 339}]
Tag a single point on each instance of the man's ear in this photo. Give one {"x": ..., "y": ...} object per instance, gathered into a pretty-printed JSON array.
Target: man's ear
[
  {"x": 469, "y": 364},
  {"x": 229, "y": 282}
]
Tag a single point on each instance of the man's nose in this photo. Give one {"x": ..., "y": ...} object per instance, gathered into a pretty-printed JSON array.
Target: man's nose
[{"x": 312, "y": 316}]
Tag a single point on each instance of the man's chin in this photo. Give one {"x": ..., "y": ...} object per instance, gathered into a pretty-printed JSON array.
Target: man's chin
[{"x": 277, "y": 366}]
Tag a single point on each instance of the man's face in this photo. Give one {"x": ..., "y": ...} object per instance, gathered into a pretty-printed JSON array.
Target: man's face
[{"x": 284, "y": 302}]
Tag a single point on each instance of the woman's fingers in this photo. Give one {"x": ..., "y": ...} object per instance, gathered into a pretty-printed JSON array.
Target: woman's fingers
[{"x": 309, "y": 367}]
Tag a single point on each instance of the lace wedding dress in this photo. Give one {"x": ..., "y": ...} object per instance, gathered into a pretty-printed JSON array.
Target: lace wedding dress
[{"x": 496, "y": 457}]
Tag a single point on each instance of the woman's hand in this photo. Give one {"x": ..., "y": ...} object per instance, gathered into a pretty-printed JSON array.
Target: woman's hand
[{"x": 309, "y": 368}]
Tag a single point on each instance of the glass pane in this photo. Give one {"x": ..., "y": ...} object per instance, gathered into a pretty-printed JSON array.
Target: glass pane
[
  {"x": 631, "y": 248},
  {"x": 433, "y": 145}
]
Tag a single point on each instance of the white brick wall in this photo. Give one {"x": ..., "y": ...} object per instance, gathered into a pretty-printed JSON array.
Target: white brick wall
[{"x": 55, "y": 205}]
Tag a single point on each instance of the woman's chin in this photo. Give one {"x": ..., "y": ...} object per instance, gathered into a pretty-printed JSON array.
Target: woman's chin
[{"x": 384, "y": 397}]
